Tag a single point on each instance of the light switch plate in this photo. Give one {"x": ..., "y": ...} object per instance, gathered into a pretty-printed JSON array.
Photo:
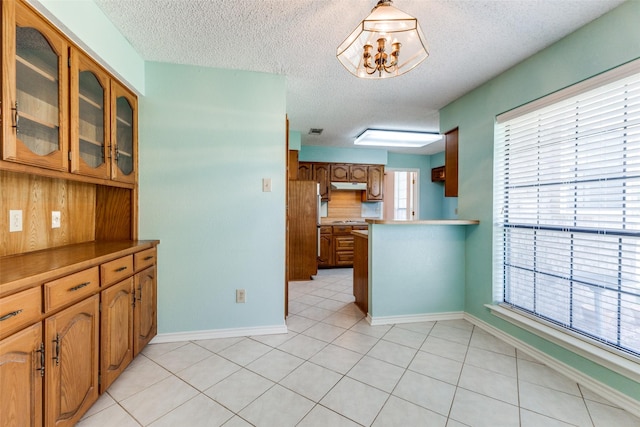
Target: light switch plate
[
  {"x": 15, "y": 220},
  {"x": 55, "y": 219},
  {"x": 266, "y": 185}
]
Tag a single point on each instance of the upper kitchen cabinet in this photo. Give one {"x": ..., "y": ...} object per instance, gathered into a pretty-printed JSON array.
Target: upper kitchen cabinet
[
  {"x": 375, "y": 183},
  {"x": 348, "y": 172},
  {"x": 319, "y": 172},
  {"x": 90, "y": 112},
  {"x": 34, "y": 90},
  {"x": 124, "y": 133},
  {"x": 451, "y": 163}
]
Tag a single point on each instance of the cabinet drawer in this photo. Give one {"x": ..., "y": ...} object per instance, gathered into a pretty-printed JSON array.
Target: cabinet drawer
[
  {"x": 19, "y": 310},
  {"x": 70, "y": 288},
  {"x": 343, "y": 243},
  {"x": 325, "y": 229},
  {"x": 341, "y": 229},
  {"x": 116, "y": 270},
  {"x": 360, "y": 227},
  {"x": 344, "y": 258},
  {"x": 144, "y": 259}
]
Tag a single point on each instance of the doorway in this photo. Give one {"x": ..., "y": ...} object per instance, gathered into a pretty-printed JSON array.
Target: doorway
[{"x": 401, "y": 190}]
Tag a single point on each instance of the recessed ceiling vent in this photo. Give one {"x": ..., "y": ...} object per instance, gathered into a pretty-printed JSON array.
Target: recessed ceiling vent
[{"x": 315, "y": 131}]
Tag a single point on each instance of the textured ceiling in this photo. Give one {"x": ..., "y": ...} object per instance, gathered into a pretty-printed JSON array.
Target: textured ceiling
[{"x": 470, "y": 41}]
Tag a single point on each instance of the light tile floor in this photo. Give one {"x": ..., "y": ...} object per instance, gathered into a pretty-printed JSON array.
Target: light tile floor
[{"x": 334, "y": 369}]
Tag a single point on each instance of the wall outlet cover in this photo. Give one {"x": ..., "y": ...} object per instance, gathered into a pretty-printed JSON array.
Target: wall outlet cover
[
  {"x": 15, "y": 221},
  {"x": 55, "y": 219}
]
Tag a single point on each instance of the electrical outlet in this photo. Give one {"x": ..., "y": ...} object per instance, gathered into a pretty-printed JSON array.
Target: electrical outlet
[
  {"x": 55, "y": 219},
  {"x": 241, "y": 296},
  {"x": 15, "y": 221}
]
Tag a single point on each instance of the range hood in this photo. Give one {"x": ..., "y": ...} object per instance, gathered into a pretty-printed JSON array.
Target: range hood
[{"x": 349, "y": 186}]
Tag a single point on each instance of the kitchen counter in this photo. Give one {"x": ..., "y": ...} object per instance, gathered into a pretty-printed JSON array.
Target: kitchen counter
[
  {"x": 413, "y": 270},
  {"x": 424, "y": 222}
]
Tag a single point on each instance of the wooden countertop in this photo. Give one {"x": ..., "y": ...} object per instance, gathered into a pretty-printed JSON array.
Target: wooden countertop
[
  {"x": 30, "y": 269},
  {"x": 424, "y": 222}
]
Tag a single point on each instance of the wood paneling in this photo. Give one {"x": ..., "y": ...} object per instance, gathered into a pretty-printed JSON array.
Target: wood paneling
[
  {"x": 37, "y": 197},
  {"x": 113, "y": 214},
  {"x": 345, "y": 204},
  {"x": 361, "y": 273}
]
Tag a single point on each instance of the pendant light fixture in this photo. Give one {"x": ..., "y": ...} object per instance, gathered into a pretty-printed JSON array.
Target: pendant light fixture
[{"x": 387, "y": 43}]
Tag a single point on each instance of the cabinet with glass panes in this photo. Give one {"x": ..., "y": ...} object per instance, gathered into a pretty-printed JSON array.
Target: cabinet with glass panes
[
  {"x": 65, "y": 112},
  {"x": 35, "y": 90}
]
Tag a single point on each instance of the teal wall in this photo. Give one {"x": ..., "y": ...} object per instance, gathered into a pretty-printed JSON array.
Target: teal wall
[
  {"x": 448, "y": 205},
  {"x": 416, "y": 269},
  {"x": 605, "y": 43},
  {"x": 85, "y": 24},
  {"x": 295, "y": 140},
  {"x": 313, "y": 153},
  {"x": 207, "y": 138},
  {"x": 430, "y": 200}
]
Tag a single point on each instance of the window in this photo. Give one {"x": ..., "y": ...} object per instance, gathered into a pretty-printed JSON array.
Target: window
[
  {"x": 401, "y": 194},
  {"x": 567, "y": 210}
]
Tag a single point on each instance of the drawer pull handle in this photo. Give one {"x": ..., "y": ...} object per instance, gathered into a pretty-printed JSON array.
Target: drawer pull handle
[
  {"x": 41, "y": 351},
  {"x": 10, "y": 315},
  {"x": 56, "y": 356},
  {"x": 118, "y": 270},
  {"x": 80, "y": 286},
  {"x": 148, "y": 258}
]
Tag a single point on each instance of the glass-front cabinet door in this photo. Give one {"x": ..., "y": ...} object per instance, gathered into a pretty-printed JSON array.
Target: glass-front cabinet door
[
  {"x": 89, "y": 117},
  {"x": 124, "y": 134},
  {"x": 35, "y": 94}
]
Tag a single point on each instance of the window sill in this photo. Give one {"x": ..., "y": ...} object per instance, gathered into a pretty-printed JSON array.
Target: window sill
[{"x": 625, "y": 365}]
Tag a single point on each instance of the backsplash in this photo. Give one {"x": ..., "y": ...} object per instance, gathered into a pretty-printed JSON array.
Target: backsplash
[{"x": 348, "y": 204}]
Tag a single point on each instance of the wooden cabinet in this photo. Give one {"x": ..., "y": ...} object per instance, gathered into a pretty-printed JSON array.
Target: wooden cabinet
[
  {"x": 326, "y": 247},
  {"x": 66, "y": 113},
  {"x": 319, "y": 172},
  {"x": 22, "y": 362},
  {"x": 342, "y": 245},
  {"x": 305, "y": 171},
  {"x": 375, "y": 183},
  {"x": 71, "y": 368},
  {"x": 116, "y": 330},
  {"x": 302, "y": 230},
  {"x": 55, "y": 341},
  {"x": 145, "y": 324},
  {"x": 437, "y": 174},
  {"x": 361, "y": 272},
  {"x": 90, "y": 115},
  {"x": 451, "y": 163},
  {"x": 347, "y": 172},
  {"x": 124, "y": 133},
  {"x": 34, "y": 89}
]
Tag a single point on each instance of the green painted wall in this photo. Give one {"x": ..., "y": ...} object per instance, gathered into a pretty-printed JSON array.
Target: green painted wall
[
  {"x": 416, "y": 269},
  {"x": 605, "y": 43},
  {"x": 448, "y": 205},
  {"x": 313, "y": 153},
  {"x": 430, "y": 199},
  {"x": 207, "y": 138}
]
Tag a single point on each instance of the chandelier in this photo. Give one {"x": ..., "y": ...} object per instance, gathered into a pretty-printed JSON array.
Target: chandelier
[{"x": 385, "y": 28}]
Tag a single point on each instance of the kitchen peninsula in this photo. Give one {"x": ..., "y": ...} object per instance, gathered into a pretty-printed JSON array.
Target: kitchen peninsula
[{"x": 410, "y": 271}]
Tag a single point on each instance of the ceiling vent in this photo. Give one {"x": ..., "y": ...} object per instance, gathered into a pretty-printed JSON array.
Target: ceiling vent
[{"x": 315, "y": 131}]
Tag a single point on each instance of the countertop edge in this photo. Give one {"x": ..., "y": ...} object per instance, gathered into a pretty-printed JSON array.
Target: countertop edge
[
  {"x": 361, "y": 233},
  {"x": 425, "y": 222}
]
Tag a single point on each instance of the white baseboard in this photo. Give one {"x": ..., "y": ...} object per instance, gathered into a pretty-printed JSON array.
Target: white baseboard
[
  {"x": 620, "y": 399},
  {"x": 412, "y": 318},
  {"x": 219, "y": 333}
]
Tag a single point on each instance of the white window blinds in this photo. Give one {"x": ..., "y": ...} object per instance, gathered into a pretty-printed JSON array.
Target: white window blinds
[{"x": 567, "y": 212}]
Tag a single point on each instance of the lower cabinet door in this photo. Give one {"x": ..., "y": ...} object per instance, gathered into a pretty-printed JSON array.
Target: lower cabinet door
[
  {"x": 21, "y": 360},
  {"x": 71, "y": 375},
  {"x": 145, "y": 325},
  {"x": 116, "y": 331}
]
